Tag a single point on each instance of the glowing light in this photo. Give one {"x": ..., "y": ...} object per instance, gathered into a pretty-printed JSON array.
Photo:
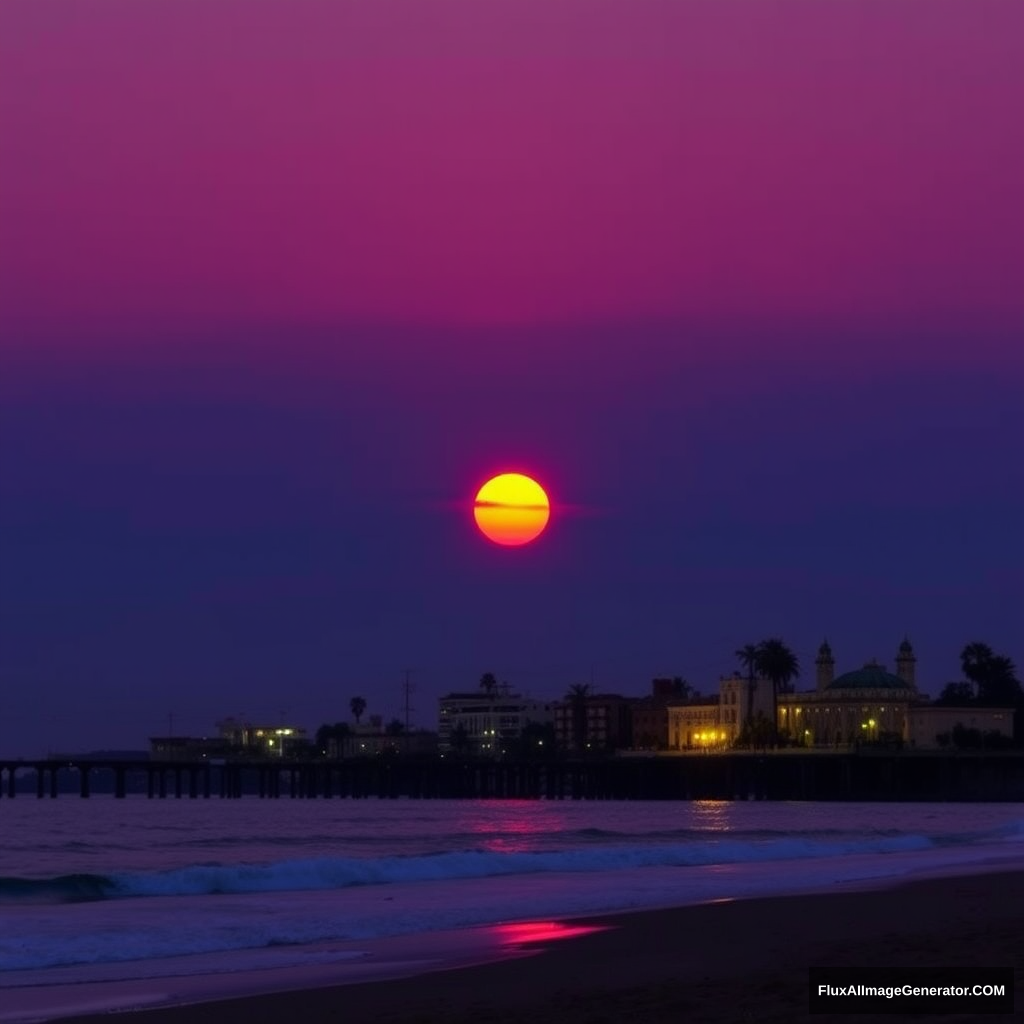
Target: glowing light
[
  {"x": 541, "y": 931},
  {"x": 511, "y": 509}
]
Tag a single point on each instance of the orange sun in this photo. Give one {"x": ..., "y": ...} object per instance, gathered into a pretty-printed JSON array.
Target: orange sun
[{"x": 511, "y": 509}]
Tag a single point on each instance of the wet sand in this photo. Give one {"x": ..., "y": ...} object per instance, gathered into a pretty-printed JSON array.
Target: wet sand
[{"x": 731, "y": 961}]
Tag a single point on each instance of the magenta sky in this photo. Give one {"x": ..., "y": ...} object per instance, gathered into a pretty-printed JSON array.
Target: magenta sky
[
  {"x": 510, "y": 162},
  {"x": 282, "y": 282}
]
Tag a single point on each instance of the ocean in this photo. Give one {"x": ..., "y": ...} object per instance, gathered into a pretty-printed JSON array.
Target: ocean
[{"x": 101, "y": 892}]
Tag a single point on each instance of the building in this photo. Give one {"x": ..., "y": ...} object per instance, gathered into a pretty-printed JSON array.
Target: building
[
  {"x": 486, "y": 725},
  {"x": 868, "y": 705},
  {"x": 262, "y": 740},
  {"x": 235, "y": 738},
  {"x": 698, "y": 724},
  {"x": 650, "y": 729},
  {"x": 871, "y": 705},
  {"x": 936, "y": 726},
  {"x": 743, "y": 702},
  {"x": 594, "y": 722},
  {"x": 373, "y": 739},
  {"x": 830, "y": 715}
]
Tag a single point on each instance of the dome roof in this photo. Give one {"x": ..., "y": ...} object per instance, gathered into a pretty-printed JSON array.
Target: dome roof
[
  {"x": 871, "y": 677},
  {"x": 905, "y": 647}
]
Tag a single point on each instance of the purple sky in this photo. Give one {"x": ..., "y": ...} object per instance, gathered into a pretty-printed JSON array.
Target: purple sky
[{"x": 281, "y": 284}]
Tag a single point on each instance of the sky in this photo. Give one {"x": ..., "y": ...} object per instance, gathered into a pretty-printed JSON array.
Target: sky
[{"x": 282, "y": 284}]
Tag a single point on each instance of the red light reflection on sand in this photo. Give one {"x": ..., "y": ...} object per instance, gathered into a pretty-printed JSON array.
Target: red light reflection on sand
[{"x": 523, "y": 932}]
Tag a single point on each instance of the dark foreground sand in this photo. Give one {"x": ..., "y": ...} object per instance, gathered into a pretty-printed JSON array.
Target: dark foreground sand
[{"x": 740, "y": 961}]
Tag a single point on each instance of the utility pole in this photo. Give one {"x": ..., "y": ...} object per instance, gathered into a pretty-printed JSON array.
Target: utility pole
[{"x": 408, "y": 708}]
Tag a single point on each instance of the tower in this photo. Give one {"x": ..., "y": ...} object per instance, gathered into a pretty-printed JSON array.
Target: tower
[
  {"x": 826, "y": 666},
  {"x": 906, "y": 664}
]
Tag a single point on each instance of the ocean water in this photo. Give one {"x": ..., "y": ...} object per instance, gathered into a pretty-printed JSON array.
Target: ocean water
[{"x": 105, "y": 891}]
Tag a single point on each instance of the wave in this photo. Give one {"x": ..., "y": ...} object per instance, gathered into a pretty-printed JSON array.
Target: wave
[
  {"x": 325, "y": 873},
  {"x": 677, "y": 848}
]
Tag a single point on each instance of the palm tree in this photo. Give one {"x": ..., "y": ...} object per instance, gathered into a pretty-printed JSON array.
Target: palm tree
[
  {"x": 357, "y": 705},
  {"x": 577, "y": 697},
  {"x": 994, "y": 675},
  {"x": 749, "y": 655},
  {"x": 777, "y": 663},
  {"x": 489, "y": 683},
  {"x": 975, "y": 660},
  {"x": 1000, "y": 684}
]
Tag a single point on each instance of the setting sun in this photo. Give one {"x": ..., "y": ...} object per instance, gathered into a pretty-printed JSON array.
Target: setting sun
[{"x": 511, "y": 509}]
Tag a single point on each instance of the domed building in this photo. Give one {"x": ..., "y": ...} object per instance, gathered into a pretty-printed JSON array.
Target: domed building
[{"x": 869, "y": 704}]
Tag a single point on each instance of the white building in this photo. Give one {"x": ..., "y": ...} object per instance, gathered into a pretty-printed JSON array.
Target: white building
[
  {"x": 487, "y": 725},
  {"x": 743, "y": 701}
]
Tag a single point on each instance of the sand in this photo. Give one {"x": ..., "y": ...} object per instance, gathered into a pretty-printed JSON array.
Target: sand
[{"x": 731, "y": 961}]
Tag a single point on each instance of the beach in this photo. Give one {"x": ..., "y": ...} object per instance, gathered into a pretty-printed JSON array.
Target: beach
[{"x": 723, "y": 961}]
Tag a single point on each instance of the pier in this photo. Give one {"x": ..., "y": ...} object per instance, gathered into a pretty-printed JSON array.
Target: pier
[{"x": 730, "y": 776}]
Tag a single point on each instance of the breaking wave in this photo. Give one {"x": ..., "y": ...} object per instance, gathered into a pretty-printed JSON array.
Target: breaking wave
[{"x": 325, "y": 873}]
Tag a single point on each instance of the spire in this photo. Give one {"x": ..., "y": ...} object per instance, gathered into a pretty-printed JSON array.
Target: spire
[
  {"x": 906, "y": 663},
  {"x": 826, "y": 666}
]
